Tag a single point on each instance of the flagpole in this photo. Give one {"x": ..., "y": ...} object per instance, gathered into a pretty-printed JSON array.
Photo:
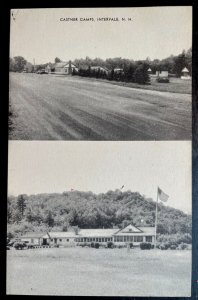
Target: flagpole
[{"x": 156, "y": 211}]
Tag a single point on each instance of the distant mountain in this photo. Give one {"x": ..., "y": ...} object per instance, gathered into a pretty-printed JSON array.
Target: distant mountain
[{"x": 88, "y": 210}]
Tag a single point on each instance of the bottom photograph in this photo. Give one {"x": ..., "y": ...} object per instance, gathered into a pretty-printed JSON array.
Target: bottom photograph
[{"x": 99, "y": 218}]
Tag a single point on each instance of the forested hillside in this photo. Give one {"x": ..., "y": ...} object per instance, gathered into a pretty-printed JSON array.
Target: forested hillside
[{"x": 58, "y": 212}]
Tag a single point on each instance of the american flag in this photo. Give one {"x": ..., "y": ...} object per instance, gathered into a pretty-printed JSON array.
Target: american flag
[{"x": 162, "y": 196}]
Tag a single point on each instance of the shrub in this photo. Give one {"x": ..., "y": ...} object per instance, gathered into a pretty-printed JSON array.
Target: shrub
[
  {"x": 97, "y": 245},
  {"x": 164, "y": 246},
  {"x": 173, "y": 247},
  {"x": 131, "y": 245},
  {"x": 19, "y": 245},
  {"x": 182, "y": 246},
  {"x": 145, "y": 246},
  {"x": 110, "y": 245},
  {"x": 92, "y": 244}
]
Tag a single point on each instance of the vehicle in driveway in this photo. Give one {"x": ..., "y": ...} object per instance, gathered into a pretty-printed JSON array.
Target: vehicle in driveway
[
  {"x": 163, "y": 79},
  {"x": 41, "y": 71}
]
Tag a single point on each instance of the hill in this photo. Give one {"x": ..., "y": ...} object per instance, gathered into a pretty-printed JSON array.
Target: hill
[{"x": 87, "y": 210}]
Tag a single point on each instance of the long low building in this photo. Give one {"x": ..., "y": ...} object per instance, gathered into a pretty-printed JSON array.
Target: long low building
[{"x": 129, "y": 234}]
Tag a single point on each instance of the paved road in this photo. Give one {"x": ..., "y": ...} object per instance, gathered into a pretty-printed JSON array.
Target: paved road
[{"x": 49, "y": 107}]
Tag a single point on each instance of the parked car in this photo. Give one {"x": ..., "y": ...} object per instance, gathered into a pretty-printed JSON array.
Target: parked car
[
  {"x": 163, "y": 79},
  {"x": 43, "y": 71},
  {"x": 20, "y": 245}
]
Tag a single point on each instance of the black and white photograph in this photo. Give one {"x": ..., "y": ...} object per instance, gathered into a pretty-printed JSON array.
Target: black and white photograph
[
  {"x": 99, "y": 199},
  {"x": 101, "y": 73},
  {"x": 99, "y": 219}
]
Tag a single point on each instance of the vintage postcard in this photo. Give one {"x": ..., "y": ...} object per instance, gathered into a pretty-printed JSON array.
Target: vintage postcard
[{"x": 99, "y": 163}]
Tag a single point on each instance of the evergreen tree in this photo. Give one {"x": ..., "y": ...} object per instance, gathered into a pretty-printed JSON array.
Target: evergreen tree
[
  {"x": 141, "y": 74},
  {"x": 49, "y": 219},
  {"x": 21, "y": 204}
]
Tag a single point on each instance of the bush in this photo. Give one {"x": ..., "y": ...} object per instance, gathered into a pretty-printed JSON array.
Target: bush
[
  {"x": 19, "y": 245},
  {"x": 97, "y": 245},
  {"x": 92, "y": 244},
  {"x": 173, "y": 247},
  {"x": 182, "y": 246},
  {"x": 145, "y": 246},
  {"x": 110, "y": 245},
  {"x": 131, "y": 245},
  {"x": 164, "y": 246}
]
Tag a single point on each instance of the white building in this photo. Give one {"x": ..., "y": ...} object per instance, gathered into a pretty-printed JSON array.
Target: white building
[
  {"x": 185, "y": 74},
  {"x": 64, "y": 68},
  {"x": 129, "y": 234}
]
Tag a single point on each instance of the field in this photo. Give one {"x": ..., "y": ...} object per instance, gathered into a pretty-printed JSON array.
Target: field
[
  {"x": 104, "y": 272},
  {"x": 176, "y": 85},
  {"x": 49, "y": 107}
]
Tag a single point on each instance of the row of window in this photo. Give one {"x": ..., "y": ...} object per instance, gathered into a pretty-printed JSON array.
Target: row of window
[
  {"x": 116, "y": 239},
  {"x": 128, "y": 239},
  {"x": 80, "y": 240}
]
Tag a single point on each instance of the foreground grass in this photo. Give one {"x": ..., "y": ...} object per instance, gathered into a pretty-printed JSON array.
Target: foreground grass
[{"x": 103, "y": 272}]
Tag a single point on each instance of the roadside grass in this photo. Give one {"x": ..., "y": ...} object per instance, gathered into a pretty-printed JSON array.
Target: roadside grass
[
  {"x": 99, "y": 272},
  {"x": 176, "y": 85}
]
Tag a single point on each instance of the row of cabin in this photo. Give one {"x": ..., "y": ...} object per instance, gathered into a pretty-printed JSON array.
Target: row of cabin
[
  {"x": 67, "y": 68},
  {"x": 129, "y": 234}
]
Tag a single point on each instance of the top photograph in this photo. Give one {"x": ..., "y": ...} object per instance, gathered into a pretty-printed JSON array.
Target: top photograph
[{"x": 99, "y": 74}]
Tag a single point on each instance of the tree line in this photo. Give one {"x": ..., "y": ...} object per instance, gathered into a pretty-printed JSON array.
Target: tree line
[
  {"x": 134, "y": 71},
  {"x": 59, "y": 212}
]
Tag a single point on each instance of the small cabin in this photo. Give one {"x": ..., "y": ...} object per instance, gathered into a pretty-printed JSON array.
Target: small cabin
[
  {"x": 185, "y": 74},
  {"x": 64, "y": 68},
  {"x": 162, "y": 74}
]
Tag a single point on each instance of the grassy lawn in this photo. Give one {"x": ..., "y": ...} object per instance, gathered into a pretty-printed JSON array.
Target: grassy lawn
[
  {"x": 176, "y": 85},
  {"x": 102, "y": 272}
]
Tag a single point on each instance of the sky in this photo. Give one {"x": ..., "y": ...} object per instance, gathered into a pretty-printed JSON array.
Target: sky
[
  {"x": 155, "y": 32},
  {"x": 56, "y": 166}
]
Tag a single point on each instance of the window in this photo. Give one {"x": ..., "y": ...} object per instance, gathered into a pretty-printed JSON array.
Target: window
[
  {"x": 125, "y": 238},
  {"x": 130, "y": 229},
  {"x": 119, "y": 238},
  {"x": 102, "y": 239},
  {"x": 99, "y": 239},
  {"x": 131, "y": 238},
  {"x": 149, "y": 239},
  {"x": 128, "y": 237},
  {"x": 96, "y": 239},
  {"x": 67, "y": 240},
  {"x": 138, "y": 239},
  {"x": 60, "y": 240}
]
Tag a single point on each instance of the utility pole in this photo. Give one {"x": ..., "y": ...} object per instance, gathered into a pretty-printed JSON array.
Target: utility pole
[{"x": 156, "y": 211}]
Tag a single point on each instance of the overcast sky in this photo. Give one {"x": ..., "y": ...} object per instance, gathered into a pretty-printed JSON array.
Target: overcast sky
[
  {"x": 47, "y": 167},
  {"x": 154, "y": 32}
]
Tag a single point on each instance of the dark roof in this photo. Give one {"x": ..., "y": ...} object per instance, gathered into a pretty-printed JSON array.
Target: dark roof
[{"x": 33, "y": 235}]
